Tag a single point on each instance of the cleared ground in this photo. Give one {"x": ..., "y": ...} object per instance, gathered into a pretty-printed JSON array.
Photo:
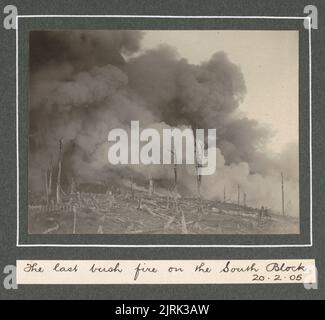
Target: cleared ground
[{"x": 126, "y": 212}]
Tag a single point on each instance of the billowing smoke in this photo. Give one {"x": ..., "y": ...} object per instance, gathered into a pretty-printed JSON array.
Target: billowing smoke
[{"x": 85, "y": 83}]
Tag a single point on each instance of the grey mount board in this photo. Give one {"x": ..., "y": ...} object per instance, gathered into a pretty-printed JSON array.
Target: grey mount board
[{"x": 8, "y": 168}]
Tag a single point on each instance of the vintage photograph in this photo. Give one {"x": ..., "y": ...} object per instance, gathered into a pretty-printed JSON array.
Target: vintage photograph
[{"x": 163, "y": 132}]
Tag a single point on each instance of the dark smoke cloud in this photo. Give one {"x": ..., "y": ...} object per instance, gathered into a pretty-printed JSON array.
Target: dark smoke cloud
[
  {"x": 85, "y": 83},
  {"x": 203, "y": 96},
  {"x": 188, "y": 94}
]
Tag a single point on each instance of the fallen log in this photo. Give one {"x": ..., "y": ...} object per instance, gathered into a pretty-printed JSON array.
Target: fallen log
[
  {"x": 55, "y": 228},
  {"x": 148, "y": 231},
  {"x": 146, "y": 208},
  {"x": 169, "y": 222},
  {"x": 184, "y": 228}
]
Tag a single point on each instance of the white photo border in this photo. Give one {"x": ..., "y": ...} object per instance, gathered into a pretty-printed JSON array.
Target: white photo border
[{"x": 310, "y": 244}]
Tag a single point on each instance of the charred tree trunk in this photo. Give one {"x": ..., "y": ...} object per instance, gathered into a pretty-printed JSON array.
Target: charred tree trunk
[
  {"x": 58, "y": 181},
  {"x": 174, "y": 188},
  {"x": 198, "y": 164},
  {"x": 282, "y": 190},
  {"x": 151, "y": 186},
  {"x": 50, "y": 182},
  {"x": 46, "y": 189},
  {"x": 73, "y": 187},
  {"x": 132, "y": 190}
]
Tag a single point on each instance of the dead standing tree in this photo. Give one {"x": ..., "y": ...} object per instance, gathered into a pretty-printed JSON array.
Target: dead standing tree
[
  {"x": 132, "y": 189},
  {"x": 198, "y": 157},
  {"x": 58, "y": 180},
  {"x": 48, "y": 185},
  {"x": 73, "y": 187},
  {"x": 282, "y": 192},
  {"x": 173, "y": 152},
  {"x": 245, "y": 199},
  {"x": 151, "y": 186},
  {"x": 174, "y": 189}
]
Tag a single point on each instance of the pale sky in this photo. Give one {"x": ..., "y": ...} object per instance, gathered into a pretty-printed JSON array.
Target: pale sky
[{"x": 269, "y": 62}]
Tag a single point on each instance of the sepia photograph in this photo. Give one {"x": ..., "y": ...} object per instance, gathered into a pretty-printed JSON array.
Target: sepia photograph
[{"x": 163, "y": 132}]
